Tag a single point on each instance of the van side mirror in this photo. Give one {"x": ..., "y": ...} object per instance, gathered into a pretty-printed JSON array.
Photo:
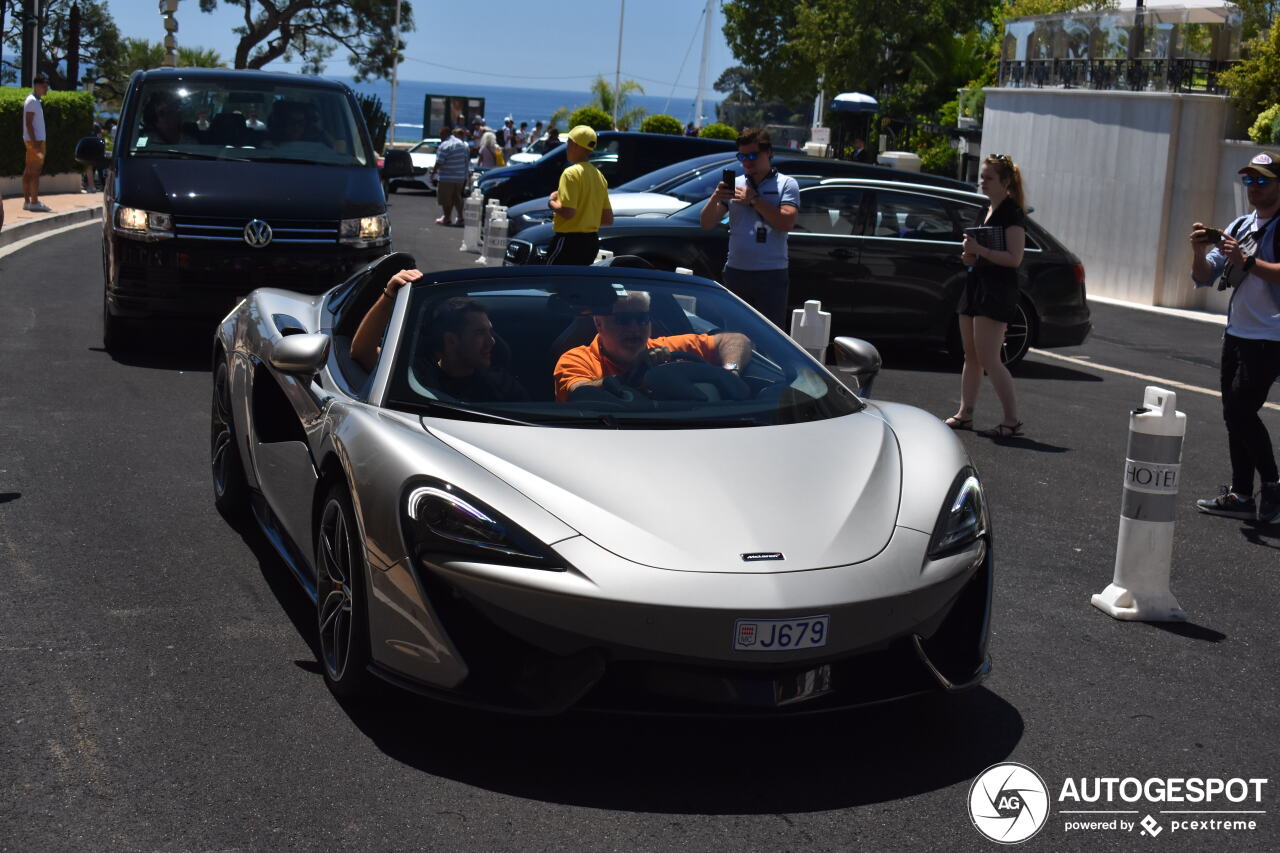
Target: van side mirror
[
  {"x": 91, "y": 151},
  {"x": 397, "y": 163},
  {"x": 859, "y": 358}
]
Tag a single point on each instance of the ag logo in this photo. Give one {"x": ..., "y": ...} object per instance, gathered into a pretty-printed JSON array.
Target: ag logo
[{"x": 1008, "y": 803}]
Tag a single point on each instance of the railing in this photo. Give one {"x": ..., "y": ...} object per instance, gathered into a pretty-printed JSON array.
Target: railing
[{"x": 1135, "y": 75}]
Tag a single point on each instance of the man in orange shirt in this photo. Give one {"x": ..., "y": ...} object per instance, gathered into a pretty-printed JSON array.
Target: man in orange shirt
[{"x": 622, "y": 343}]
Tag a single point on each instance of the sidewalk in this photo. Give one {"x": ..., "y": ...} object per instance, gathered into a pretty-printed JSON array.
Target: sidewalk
[{"x": 67, "y": 208}]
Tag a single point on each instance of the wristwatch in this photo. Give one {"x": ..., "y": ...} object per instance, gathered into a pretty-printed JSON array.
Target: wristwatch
[
  {"x": 1248, "y": 263},
  {"x": 732, "y": 365}
]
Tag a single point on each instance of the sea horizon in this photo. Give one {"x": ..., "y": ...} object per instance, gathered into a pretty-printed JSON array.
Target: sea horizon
[{"x": 519, "y": 102}]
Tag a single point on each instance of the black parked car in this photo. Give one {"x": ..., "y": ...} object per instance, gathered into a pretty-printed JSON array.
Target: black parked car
[
  {"x": 670, "y": 188},
  {"x": 222, "y": 181},
  {"x": 882, "y": 256},
  {"x": 619, "y": 155}
]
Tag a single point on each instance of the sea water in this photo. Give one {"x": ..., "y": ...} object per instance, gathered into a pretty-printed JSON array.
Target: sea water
[{"x": 531, "y": 105}]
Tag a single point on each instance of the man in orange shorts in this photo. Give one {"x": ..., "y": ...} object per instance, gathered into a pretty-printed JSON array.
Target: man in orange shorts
[
  {"x": 33, "y": 140},
  {"x": 622, "y": 343}
]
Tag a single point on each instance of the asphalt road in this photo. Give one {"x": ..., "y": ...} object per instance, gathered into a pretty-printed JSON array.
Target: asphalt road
[{"x": 159, "y": 687}]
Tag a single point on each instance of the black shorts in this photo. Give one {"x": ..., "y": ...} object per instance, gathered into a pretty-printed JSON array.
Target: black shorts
[{"x": 576, "y": 249}]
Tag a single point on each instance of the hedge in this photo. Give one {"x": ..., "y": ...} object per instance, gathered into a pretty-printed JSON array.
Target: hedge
[
  {"x": 718, "y": 131},
  {"x": 68, "y": 118},
  {"x": 592, "y": 117},
  {"x": 661, "y": 123}
]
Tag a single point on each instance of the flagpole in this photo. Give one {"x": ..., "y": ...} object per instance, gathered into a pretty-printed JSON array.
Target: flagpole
[
  {"x": 617, "y": 74},
  {"x": 702, "y": 72},
  {"x": 395, "y": 68}
]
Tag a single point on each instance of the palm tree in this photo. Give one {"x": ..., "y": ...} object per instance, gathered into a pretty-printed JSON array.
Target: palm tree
[{"x": 602, "y": 97}]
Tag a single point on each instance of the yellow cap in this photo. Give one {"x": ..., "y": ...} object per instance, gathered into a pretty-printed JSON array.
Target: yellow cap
[{"x": 584, "y": 136}]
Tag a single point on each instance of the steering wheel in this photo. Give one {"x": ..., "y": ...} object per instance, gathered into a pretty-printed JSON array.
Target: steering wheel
[{"x": 691, "y": 378}]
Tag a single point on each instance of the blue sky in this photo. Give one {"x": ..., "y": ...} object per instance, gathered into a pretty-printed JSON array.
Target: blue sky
[{"x": 542, "y": 45}]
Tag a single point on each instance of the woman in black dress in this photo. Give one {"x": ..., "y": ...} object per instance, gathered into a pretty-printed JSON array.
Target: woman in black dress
[{"x": 990, "y": 298}]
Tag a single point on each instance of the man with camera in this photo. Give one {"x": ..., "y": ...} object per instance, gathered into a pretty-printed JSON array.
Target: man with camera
[
  {"x": 762, "y": 206},
  {"x": 1244, "y": 257}
]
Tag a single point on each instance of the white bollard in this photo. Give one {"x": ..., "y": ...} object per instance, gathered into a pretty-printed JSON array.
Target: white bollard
[
  {"x": 1139, "y": 590},
  {"x": 495, "y": 240},
  {"x": 811, "y": 329},
  {"x": 491, "y": 212},
  {"x": 471, "y": 208}
]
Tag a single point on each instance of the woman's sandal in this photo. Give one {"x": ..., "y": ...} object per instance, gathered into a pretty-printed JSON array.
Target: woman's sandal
[
  {"x": 1002, "y": 431},
  {"x": 959, "y": 423}
]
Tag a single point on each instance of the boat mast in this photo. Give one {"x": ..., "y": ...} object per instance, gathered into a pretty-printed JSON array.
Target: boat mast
[
  {"x": 702, "y": 72},
  {"x": 395, "y": 67},
  {"x": 617, "y": 73}
]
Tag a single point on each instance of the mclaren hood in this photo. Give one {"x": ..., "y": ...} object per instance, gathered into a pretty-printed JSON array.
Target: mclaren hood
[{"x": 755, "y": 499}]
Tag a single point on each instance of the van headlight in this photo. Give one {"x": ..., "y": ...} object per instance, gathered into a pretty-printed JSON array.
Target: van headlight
[
  {"x": 365, "y": 231},
  {"x": 142, "y": 224},
  {"x": 963, "y": 519}
]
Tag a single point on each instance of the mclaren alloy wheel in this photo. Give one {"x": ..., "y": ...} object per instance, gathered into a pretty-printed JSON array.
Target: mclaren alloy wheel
[
  {"x": 230, "y": 489},
  {"x": 340, "y": 605}
]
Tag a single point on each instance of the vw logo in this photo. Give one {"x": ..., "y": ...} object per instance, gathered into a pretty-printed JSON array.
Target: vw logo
[
  {"x": 257, "y": 233},
  {"x": 1009, "y": 802}
]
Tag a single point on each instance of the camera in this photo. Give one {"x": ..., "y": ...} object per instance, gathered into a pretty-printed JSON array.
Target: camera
[{"x": 1211, "y": 235}]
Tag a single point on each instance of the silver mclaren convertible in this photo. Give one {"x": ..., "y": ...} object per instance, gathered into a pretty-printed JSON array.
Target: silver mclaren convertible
[{"x": 544, "y": 488}]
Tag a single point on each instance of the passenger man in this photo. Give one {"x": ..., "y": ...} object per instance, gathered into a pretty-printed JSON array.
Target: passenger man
[
  {"x": 581, "y": 203},
  {"x": 462, "y": 341},
  {"x": 622, "y": 344},
  {"x": 453, "y": 162},
  {"x": 33, "y": 140},
  {"x": 1244, "y": 257},
  {"x": 762, "y": 206}
]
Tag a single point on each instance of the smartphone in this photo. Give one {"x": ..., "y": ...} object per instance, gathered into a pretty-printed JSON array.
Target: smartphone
[
  {"x": 728, "y": 177},
  {"x": 1211, "y": 235}
]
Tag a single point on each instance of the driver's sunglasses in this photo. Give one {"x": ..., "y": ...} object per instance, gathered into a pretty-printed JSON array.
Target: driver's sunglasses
[
  {"x": 1250, "y": 180},
  {"x": 629, "y": 318},
  {"x": 751, "y": 155}
]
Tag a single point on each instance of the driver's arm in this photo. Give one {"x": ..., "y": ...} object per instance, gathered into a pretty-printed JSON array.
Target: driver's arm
[
  {"x": 733, "y": 348},
  {"x": 367, "y": 342}
]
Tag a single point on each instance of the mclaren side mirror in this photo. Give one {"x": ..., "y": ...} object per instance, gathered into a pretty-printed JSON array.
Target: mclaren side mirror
[
  {"x": 300, "y": 355},
  {"x": 92, "y": 151},
  {"x": 860, "y": 359}
]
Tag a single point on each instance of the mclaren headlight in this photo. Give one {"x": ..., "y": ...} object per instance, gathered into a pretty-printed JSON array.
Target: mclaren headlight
[
  {"x": 963, "y": 519},
  {"x": 142, "y": 224},
  {"x": 441, "y": 520},
  {"x": 364, "y": 231}
]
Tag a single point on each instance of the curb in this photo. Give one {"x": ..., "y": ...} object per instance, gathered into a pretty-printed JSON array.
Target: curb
[{"x": 23, "y": 230}]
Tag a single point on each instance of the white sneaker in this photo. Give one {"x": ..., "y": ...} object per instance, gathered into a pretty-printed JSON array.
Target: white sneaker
[
  {"x": 29, "y": 205},
  {"x": 40, "y": 207}
]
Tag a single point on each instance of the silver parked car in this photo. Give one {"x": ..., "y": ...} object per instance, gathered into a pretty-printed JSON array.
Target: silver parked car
[{"x": 685, "y": 535}]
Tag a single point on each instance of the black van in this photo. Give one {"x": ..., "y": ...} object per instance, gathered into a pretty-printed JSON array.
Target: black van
[
  {"x": 619, "y": 155},
  {"x": 222, "y": 181}
]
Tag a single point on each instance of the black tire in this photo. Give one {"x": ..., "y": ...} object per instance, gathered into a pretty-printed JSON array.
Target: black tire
[
  {"x": 117, "y": 333},
  {"x": 1018, "y": 337},
  {"x": 230, "y": 487},
  {"x": 342, "y": 614},
  {"x": 391, "y": 187}
]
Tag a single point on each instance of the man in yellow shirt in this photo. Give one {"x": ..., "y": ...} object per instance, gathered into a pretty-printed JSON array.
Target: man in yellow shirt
[{"x": 581, "y": 203}]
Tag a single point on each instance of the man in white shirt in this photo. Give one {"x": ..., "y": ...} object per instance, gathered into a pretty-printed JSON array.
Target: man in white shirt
[
  {"x": 1244, "y": 256},
  {"x": 33, "y": 140}
]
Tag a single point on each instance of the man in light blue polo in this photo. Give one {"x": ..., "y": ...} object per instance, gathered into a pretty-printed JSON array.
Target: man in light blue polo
[
  {"x": 762, "y": 208},
  {"x": 453, "y": 162}
]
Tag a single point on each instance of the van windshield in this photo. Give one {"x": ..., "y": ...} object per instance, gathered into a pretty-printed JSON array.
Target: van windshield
[{"x": 223, "y": 120}]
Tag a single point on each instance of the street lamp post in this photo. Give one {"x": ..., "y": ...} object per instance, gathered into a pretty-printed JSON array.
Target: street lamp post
[
  {"x": 395, "y": 68},
  {"x": 617, "y": 74},
  {"x": 169, "y": 8}
]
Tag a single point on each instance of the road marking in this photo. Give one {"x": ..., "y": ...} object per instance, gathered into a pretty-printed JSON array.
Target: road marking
[
  {"x": 18, "y": 245},
  {"x": 1164, "y": 383}
]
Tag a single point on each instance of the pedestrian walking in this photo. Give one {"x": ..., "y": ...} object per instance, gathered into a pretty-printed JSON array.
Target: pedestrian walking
[
  {"x": 522, "y": 136},
  {"x": 93, "y": 179},
  {"x": 1244, "y": 257},
  {"x": 453, "y": 163},
  {"x": 580, "y": 202},
  {"x": 989, "y": 300},
  {"x": 507, "y": 138},
  {"x": 33, "y": 140},
  {"x": 762, "y": 205},
  {"x": 488, "y": 154}
]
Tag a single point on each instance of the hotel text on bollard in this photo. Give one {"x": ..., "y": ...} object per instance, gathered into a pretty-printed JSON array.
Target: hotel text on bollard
[{"x": 1139, "y": 590}]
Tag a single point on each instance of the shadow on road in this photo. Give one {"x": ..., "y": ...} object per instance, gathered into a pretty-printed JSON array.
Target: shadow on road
[
  {"x": 899, "y": 357},
  {"x": 184, "y": 347},
  {"x": 1190, "y": 630},
  {"x": 697, "y": 766}
]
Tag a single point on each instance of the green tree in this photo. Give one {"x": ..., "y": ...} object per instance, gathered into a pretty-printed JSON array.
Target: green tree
[
  {"x": 311, "y": 30},
  {"x": 375, "y": 118},
  {"x": 659, "y": 123},
  {"x": 1255, "y": 82},
  {"x": 602, "y": 97},
  {"x": 99, "y": 40},
  {"x": 591, "y": 116},
  {"x": 140, "y": 54}
]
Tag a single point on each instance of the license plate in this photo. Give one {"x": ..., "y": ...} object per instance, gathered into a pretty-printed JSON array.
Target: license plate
[{"x": 780, "y": 635}]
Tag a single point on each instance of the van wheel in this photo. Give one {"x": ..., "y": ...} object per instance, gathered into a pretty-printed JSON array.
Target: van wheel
[{"x": 116, "y": 331}]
